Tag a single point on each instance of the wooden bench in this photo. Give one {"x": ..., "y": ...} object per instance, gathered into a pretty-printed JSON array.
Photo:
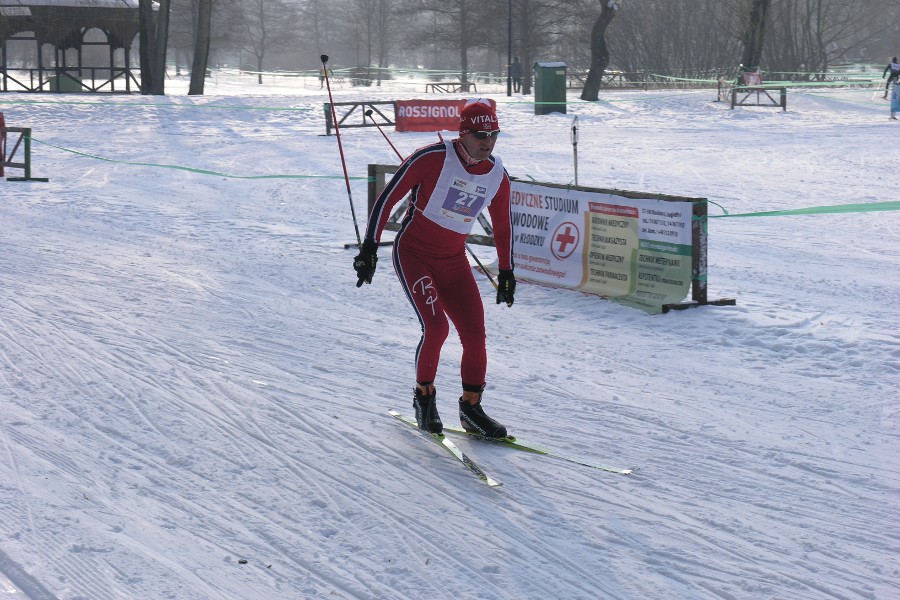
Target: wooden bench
[
  {"x": 758, "y": 95},
  {"x": 451, "y": 87}
]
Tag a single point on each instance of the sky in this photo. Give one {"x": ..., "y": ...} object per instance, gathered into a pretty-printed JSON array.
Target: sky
[{"x": 194, "y": 392}]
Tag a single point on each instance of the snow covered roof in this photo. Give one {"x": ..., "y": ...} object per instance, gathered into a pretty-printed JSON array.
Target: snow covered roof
[
  {"x": 62, "y": 22},
  {"x": 72, "y": 3}
]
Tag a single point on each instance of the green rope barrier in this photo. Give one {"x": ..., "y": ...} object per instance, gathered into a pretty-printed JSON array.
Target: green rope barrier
[
  {"x": 192, "y": 169},
  {"x": 815, "y": 210},
  {"x": 159, "y": 105}
]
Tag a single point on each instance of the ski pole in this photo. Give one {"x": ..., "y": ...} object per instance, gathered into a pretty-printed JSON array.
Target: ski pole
[
  {"x": 337, "y": 132},
  {"x": 368, "y": 113}
]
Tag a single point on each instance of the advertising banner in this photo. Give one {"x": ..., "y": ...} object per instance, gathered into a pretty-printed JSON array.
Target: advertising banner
[
  {"x": 634, "y": 251},
  {"x": 429, "y": 115}
]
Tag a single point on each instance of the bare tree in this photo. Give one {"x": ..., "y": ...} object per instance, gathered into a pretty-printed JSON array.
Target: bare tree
[
  {"x": 599, "y": 51},
  {"x": 201, "y": 48},
  {"x": 754, "y": 33},
  {"x": 160, "y": 43},
  {"x": 458, "y": 25},
  {"x": 145, "y": 35},
  {"x": 154, "y": 34},
  {"x": 810, "y": 35},
  {"x": 685, "y": 38},
  {"x": 362, "y": 19},
  {"x": 650, "y": 36},
  {"x": 542, "y": 28},
  {"x": 262, "y": 27},
  {"x": 384, "y": 36},
  {"x": 181, "y": 33}
]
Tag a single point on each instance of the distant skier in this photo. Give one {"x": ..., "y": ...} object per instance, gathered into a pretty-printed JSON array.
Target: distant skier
[
  {"x": 452, "y": 182},
  {"x": 894, "y": 68},
  {"x": 322, "y": 75}
]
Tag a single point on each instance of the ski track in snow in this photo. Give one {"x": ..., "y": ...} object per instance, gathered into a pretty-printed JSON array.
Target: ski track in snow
[{"x": 189, "y": 377}]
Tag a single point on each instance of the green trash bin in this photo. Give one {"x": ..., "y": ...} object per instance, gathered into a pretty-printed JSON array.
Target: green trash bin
[
  {"x": 65, "y": 83},
  {"x": 549, "y": 87}
]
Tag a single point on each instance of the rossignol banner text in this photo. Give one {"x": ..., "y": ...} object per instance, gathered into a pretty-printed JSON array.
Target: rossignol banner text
[{"x": 429, "y": 115}]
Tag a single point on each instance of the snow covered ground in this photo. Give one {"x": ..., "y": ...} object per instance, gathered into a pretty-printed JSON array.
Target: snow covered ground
[{"x": 194, "y": 394}]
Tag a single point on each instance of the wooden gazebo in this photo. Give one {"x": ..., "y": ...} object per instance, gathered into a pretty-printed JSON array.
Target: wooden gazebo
[{"x": 68, "y": 45}]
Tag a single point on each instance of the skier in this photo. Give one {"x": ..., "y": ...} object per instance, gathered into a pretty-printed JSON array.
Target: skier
[
  {"x": 322, "y": 75},
  {"x": 894, "y": 68},
  {"x": 452, "y": 182}
]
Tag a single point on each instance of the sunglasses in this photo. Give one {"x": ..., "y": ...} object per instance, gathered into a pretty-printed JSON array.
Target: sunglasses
[{"x": 485, "y": 134}]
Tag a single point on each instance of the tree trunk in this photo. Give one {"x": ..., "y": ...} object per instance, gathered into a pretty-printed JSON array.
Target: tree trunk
[
  {"x": 599, "y": 51},
  {"x": 145, "y": 16},
  {"x": 753, "y": 36},
  {"x": 160, "y": 41},
  {"x": 525, "y": 46},
  {"x": 383, "y": 42},
  {"x": 463, "y": 42},
  {"x": 201, "y": 48},
  {"x": 263, "y": 42}
]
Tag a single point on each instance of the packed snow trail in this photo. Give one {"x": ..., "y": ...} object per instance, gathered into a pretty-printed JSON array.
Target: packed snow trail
[{"x": 189, "y": 378}]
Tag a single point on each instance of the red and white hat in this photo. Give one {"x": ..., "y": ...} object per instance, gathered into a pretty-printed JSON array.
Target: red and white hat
[{"x": 478, "y": 115}]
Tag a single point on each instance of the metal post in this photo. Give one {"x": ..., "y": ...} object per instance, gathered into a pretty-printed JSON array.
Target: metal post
[
  {"x": 575, "y": 146},
  {"x": 27, "y": 134},
  {"x": 698, "y": 252},
  {"x": 3, "y": 63},
  {"x": 329, "y": 121}
]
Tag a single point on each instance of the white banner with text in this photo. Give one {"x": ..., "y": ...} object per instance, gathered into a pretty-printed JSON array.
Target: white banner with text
[{"x": 634, "y": 251}]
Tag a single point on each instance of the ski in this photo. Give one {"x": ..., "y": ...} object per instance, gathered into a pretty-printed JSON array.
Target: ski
[
  {"x": 442, "y": 440},
  {"x": 512, "y": 442}
]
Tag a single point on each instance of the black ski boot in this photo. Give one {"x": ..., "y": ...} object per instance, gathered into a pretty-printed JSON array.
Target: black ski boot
[
  {"x": 475, "y": 420},
  {"x": 426, "y": 411}
]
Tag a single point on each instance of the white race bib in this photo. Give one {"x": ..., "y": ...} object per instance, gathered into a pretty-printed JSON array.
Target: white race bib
[{"x": 459, "y": 197}]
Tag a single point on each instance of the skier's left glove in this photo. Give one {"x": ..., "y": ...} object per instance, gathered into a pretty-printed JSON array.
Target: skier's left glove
[
  {"x": 506, "y": 287},
  {"x": 365, "y": 262}
]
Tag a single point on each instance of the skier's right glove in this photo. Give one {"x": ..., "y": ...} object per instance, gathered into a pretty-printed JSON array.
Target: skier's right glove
[
  {"x": 506, "y": 286},
  {"x": 365, "y": 262}
]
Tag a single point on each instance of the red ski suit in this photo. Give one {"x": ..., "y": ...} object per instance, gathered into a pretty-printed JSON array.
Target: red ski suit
[{"x": 429, "y": 251}]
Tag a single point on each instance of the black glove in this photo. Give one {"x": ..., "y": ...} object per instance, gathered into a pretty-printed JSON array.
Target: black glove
[
  {"x": 506, "y": 286},
  {"x": 365, "y": 262}
]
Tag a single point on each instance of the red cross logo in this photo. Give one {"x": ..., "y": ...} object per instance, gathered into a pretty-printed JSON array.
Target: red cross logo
[{"x": 565, "y": 240}]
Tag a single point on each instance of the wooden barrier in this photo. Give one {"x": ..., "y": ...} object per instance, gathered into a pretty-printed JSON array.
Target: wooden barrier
[
  {"x": 363, "y": 107},
  {"x": 451, "y": 87},
  {"x": 23, "y": 141},
  {"x": 762, "y": 96}
]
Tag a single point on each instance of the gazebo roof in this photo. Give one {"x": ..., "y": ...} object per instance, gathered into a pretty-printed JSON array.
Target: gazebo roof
[
  {"x": 73, "y": 3},
  {"x": 62, "y": 22}
]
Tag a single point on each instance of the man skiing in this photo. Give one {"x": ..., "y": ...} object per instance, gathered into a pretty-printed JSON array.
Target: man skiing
[
  {"x": 894, "y": 68},
  {"x": 452, "y": 182}
]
